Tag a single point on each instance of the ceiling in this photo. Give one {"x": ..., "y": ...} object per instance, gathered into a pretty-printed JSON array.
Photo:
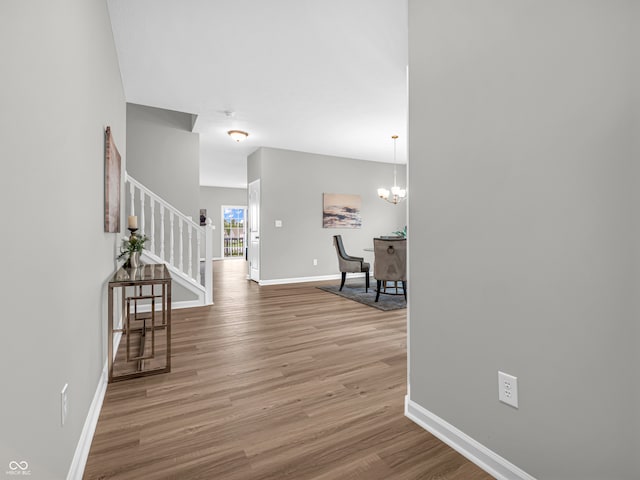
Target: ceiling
[{"x": 320, "y": 76}]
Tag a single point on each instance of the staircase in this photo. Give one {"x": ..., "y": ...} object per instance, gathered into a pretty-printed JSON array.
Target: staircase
[{"x": 174, "y": 239}]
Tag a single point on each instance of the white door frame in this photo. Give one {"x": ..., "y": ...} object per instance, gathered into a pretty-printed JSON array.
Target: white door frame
[
  {"x": 222, "y": 208},
  {"x": 253, "y": 192}
]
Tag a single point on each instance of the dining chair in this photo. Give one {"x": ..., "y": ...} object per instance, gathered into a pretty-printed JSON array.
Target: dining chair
[
  {"x": 390, "y": 262},
  {"x": 350, "y": 264}
]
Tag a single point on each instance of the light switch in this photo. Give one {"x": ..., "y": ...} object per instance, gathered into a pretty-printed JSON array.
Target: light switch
[{"x": 278, "y": 223}]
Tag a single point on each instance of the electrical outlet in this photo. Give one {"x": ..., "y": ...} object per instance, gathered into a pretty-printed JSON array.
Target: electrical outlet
[
  {"x": 315, "y": 262},
  {"x": 508, "y": 389},
  {"x": 64, "y": 403},
  {"x": 278, "y": 223}
]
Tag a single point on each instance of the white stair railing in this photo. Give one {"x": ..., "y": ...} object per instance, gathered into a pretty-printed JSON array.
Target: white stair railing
[{"x": 151, "y": 210}]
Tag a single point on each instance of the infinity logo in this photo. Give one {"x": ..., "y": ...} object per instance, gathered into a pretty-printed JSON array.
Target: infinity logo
[{"x": 23, "y": 465}]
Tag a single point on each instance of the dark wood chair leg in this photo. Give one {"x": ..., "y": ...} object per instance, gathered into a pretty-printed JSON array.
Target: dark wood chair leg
[
  {"x": 366, "y": 281},
  {"x": 379, "y": 286},
  {"x": 404, "y": 289},
  {"x": 344, "y": 277}
]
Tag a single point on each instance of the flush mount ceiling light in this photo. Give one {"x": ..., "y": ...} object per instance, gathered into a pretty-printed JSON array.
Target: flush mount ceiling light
[
  {"x": 238, "y": 135},
  {"x": 397, "y": 194}
]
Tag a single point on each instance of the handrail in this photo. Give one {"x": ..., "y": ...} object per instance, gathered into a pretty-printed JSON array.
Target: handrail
[
  {"x": 165, "y": 204},
  {"x": 174, "y": 224}
]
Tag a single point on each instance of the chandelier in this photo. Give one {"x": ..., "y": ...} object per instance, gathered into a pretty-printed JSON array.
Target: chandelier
[{"x": 397, "y": 194}]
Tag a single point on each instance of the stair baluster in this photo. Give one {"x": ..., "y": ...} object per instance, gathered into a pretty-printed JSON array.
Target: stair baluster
[
  {"x": 190, "y": 250},
  {"x": 162, "y": 232},
  {"x": 152, "y": 206},
  {"x": 132, "y": 205},
  {"x": 202, "y": 233},
  {"x": 141, "y": 212},
  {"x": 171, "y": 241},
  {"x": 180, "y": 258},
  {"x": 198, "y": 238}
]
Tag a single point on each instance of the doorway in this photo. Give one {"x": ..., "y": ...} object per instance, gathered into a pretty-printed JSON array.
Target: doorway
[{"x": 234, "y": 231}]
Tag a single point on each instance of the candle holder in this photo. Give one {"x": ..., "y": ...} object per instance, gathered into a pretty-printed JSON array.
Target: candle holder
[{"x": 134, "y": 257}]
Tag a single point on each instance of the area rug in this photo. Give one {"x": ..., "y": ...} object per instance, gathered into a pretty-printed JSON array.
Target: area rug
[{"x": 356, "y": 292}]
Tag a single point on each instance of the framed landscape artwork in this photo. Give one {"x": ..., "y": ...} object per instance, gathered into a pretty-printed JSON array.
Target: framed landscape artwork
[
  {"x": 341, "y": 210},
  {"x": 112, "y": 176}
]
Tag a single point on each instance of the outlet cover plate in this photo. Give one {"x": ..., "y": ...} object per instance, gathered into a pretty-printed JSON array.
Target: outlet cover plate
[{"x": 508, "y": 389}]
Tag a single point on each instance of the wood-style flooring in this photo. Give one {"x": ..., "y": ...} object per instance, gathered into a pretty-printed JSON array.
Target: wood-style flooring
[{"x": 278, "y": 382}]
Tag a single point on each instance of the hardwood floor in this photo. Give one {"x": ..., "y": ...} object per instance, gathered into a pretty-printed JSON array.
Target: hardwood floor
[{"x": 279, "y": 382}]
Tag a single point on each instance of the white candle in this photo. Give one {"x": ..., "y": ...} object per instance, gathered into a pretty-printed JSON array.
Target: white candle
[{"x": 133, "y": 221}]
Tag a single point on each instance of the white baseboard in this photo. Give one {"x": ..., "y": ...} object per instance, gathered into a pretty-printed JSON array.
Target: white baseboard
[
  {"x": 174, "y": 306},
  {"x": 76, "y": 470},
  {"x": 485, "y": 458},
  {"x": 320, "y": 278},
  {"x": 116, "y": 343}
]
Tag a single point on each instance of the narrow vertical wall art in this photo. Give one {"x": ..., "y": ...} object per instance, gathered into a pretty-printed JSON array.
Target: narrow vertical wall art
[{"x": 112, "y": 178}]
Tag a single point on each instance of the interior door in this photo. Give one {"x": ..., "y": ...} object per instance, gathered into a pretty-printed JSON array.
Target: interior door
[{"x": 254, "y": 230}]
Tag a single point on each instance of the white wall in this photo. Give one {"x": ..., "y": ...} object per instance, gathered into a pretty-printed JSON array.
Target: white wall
[
  {"x": 60, "y": 88},
  {"x": 522, "y": 213},
  {"x": 213, "y": 198},
  {"x": 292, "y": 184}
]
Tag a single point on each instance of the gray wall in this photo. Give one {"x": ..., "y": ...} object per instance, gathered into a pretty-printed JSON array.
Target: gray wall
[
  {"x": 164, "y": 155},
  {"x": 522, "y": 211},
  {"x": 61, "y": 87},
  {"x": 636, "y": 201},
  {"x": 212, "y": 198},
  {"x": 292, "y": 184},
  {"x": 254, "y": 166}
]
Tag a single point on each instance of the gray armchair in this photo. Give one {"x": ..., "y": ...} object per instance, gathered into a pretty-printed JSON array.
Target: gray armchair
[
  {"x": 349, "y": 264},
  {"x": 390, "y": 263}
]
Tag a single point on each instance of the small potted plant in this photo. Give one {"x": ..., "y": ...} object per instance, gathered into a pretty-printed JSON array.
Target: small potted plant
[
  {"x": 401, "y": 233},
  {"x": 131, "y": 248}
]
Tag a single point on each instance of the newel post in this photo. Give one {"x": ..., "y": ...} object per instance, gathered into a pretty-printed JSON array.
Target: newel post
[{"x": 208, "y": 262}]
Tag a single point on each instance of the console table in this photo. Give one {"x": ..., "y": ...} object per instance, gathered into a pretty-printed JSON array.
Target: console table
[{"x": 144, "y": 322}]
